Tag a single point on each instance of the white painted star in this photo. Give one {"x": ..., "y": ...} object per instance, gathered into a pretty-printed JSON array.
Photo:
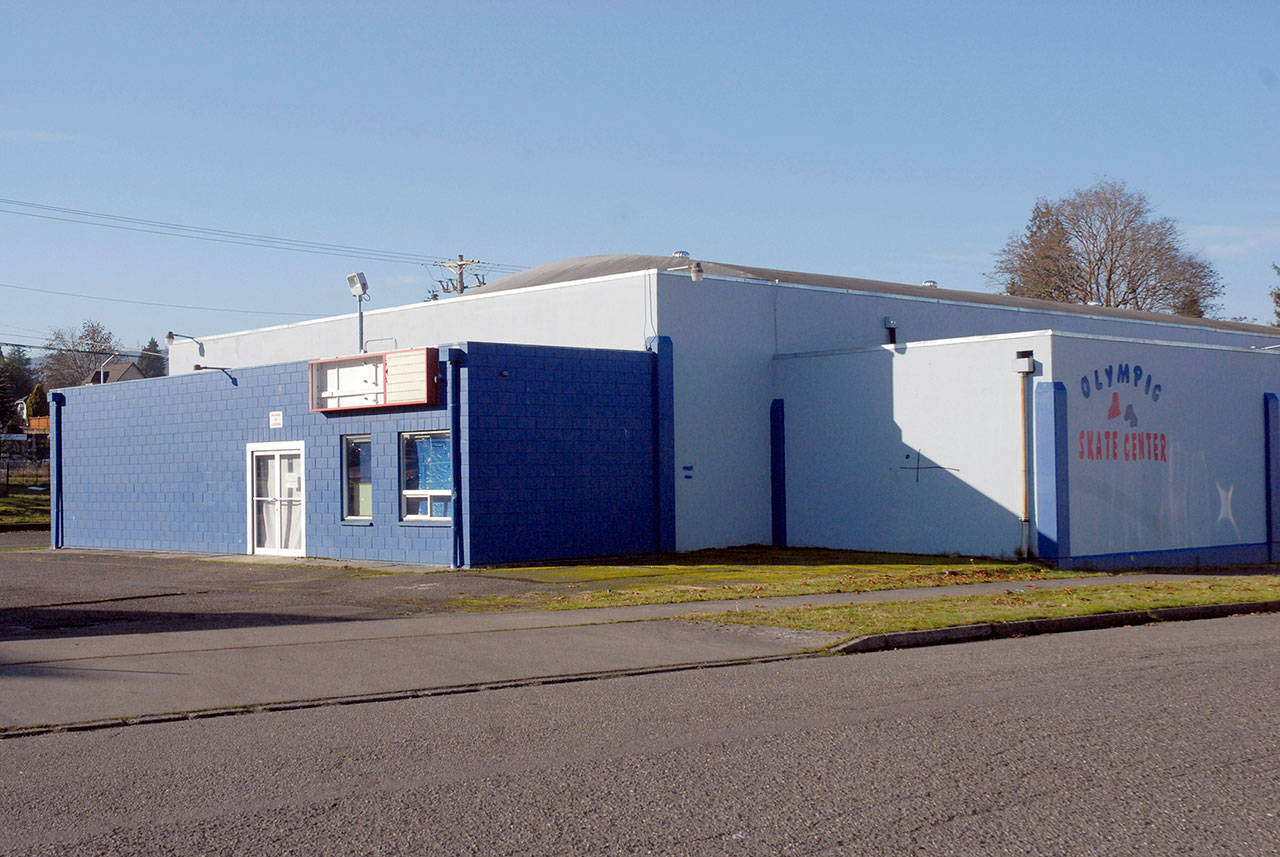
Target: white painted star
[{"x": 1224, "y": 504}]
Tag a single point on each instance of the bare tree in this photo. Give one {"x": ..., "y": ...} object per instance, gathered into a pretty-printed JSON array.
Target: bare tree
[
  {"x": 74, "y": 355},
  {"x": 1104, "y": 245}
]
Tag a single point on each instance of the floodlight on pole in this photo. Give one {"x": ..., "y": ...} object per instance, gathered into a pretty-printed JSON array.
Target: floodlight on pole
[{"x": 360, "y": 291}]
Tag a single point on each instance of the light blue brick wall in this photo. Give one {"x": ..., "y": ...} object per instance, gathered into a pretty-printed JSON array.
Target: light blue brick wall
[
  {"x": 160, "y": 465},
  {"x": 559, "y": 452}
]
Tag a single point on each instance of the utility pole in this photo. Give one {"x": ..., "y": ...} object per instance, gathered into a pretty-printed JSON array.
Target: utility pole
[{"x": 459, "y": 267}]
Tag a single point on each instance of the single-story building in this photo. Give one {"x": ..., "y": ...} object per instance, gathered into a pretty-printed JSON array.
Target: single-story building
[{"x": 627, "y": 404}]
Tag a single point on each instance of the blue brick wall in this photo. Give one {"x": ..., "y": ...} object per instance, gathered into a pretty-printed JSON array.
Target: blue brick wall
[
  {"x": 160, "y": 464},
  {"x": 559, "y": 452},
  {"x": 556, "y": 447}
]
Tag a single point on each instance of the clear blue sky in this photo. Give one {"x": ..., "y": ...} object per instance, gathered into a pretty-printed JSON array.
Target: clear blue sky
[{"x": 897, "y": 141}]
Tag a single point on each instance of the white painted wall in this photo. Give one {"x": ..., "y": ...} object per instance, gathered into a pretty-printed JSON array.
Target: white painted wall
[
  {"x": 810, "y": 319},
  {"x": 725, "y": 334},
  {"x": 917, "y": 448},
  {"x": 722, "y": 337},
  {"x": 1210, "y": 490},
  {"x": 609, "y": 312}
]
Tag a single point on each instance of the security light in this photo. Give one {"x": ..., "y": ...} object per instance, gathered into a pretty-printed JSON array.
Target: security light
[
  {"x": 171, "y": 336},
  {"x": 360, "y": 291},
  {"x": 357, "y": 283}
]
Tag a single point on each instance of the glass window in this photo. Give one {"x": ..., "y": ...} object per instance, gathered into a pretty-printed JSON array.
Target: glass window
[
  {"x": 426, "y": 476},
  {"x": 357, "y": 476}
]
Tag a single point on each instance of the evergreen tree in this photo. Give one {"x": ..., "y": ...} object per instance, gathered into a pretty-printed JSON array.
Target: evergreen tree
[
  {"x": 1275, "y": 294},
  {"x": 151, "y": 363},
  {"x": 16, "y": 381}
]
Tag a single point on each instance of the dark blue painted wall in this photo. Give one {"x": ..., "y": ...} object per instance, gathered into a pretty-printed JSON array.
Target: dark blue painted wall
[
  {"x": 160, "y": 465},
  {"x": 558, "y": 452}
]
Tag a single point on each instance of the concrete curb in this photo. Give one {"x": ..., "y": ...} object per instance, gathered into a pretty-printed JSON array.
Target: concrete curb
[
  {"x": 31, "y": 730},
  {"x": 858, "y": 645},
  {"x": 1029, "y": 627}
]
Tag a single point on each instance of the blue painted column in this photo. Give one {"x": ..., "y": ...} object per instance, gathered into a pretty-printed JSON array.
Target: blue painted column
[
  {"x": 664, "y": 447},
  {"x": 1053, "y": 512},
  {"x": 56, "y": 403},
  {"x": 458, "y": 442},
  {"x": 1271, "y": 449},
  {"x": 778, "y": 471}
]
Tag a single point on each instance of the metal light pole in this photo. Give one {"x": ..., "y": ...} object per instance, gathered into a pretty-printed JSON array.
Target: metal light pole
[{"x": 360, "y": 291}]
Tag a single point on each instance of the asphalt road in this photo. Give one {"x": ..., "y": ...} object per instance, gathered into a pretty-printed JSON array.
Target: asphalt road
[{"x": 1149, "y": 740}]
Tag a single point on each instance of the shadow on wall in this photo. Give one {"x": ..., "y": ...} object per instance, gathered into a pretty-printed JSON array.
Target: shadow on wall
[{"x": 854, "y": 482}]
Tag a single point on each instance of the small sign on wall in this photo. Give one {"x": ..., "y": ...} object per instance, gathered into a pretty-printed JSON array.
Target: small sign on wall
[{"x": 275, "y": 419}]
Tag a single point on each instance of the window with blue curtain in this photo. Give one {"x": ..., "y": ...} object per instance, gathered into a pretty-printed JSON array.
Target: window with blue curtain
[{"x": 426, "y": 476}]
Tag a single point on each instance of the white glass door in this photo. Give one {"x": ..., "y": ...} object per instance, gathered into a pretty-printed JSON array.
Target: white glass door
[{"x": 277, "y": 499}]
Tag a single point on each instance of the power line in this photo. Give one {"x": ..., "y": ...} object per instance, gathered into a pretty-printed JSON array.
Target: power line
[
  {"x": 120, "y": 352},
  {"x": 227, "y": 236},
  {"x": 24, "y": 331},
  {"x": 153, "y": 303}
]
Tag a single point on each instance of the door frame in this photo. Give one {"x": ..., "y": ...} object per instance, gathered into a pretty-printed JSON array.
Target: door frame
[{"x": 276, "y": 446}]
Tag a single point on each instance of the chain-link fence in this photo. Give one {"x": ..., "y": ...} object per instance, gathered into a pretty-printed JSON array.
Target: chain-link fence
[{"x": 22, "y": 475}]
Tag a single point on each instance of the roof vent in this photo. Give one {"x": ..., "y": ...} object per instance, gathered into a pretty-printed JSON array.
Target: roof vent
[
  {"x": 930, "y": 284},
  {"x": 680, "y": 254}
]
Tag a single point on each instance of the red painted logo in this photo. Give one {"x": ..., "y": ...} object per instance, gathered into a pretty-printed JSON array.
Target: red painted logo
[{"x": 1132, "y": 389}]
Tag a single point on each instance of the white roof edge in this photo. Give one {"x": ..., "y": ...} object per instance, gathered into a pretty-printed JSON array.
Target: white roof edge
[
  {"x": 401, "y": 307},
  {"x": 923, "y": 343},
  {"x": 1078, "y": 313},
  {"x": 1026, "y": 334}
]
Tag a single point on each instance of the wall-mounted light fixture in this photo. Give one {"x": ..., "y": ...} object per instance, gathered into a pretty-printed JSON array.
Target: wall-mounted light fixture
[
  {"x": 225, "y": 370},
  {"x": 171, "y": 336},
  {"x": 891, "y": 327}
]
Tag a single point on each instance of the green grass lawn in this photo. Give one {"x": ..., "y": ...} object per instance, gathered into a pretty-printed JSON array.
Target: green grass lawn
[
  {"x": 1008, "y": 606},
  {"x": 749, "y": 572},
  {"x": 24, "y": 507}
]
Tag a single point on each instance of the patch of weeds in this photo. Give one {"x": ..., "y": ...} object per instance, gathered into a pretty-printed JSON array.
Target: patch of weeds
[
  {"x": 1008, "y": 606},
  {"x": 682, "y": 580}
]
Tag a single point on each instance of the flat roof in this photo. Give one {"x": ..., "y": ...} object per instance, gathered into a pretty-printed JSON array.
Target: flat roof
[{"x": 587, "y": 267}]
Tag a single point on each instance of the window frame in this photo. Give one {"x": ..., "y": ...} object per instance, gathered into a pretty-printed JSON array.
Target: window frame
[
  {"x": 348, "y": 440},
  {"x": 427, "y": 494}
]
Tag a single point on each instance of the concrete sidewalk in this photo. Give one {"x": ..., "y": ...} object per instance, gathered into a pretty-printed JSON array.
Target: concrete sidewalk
[{"x": 79, "y": 679}]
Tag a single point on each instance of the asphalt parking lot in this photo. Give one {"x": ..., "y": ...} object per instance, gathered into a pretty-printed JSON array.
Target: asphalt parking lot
[{"x": 77, "y": 592}]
